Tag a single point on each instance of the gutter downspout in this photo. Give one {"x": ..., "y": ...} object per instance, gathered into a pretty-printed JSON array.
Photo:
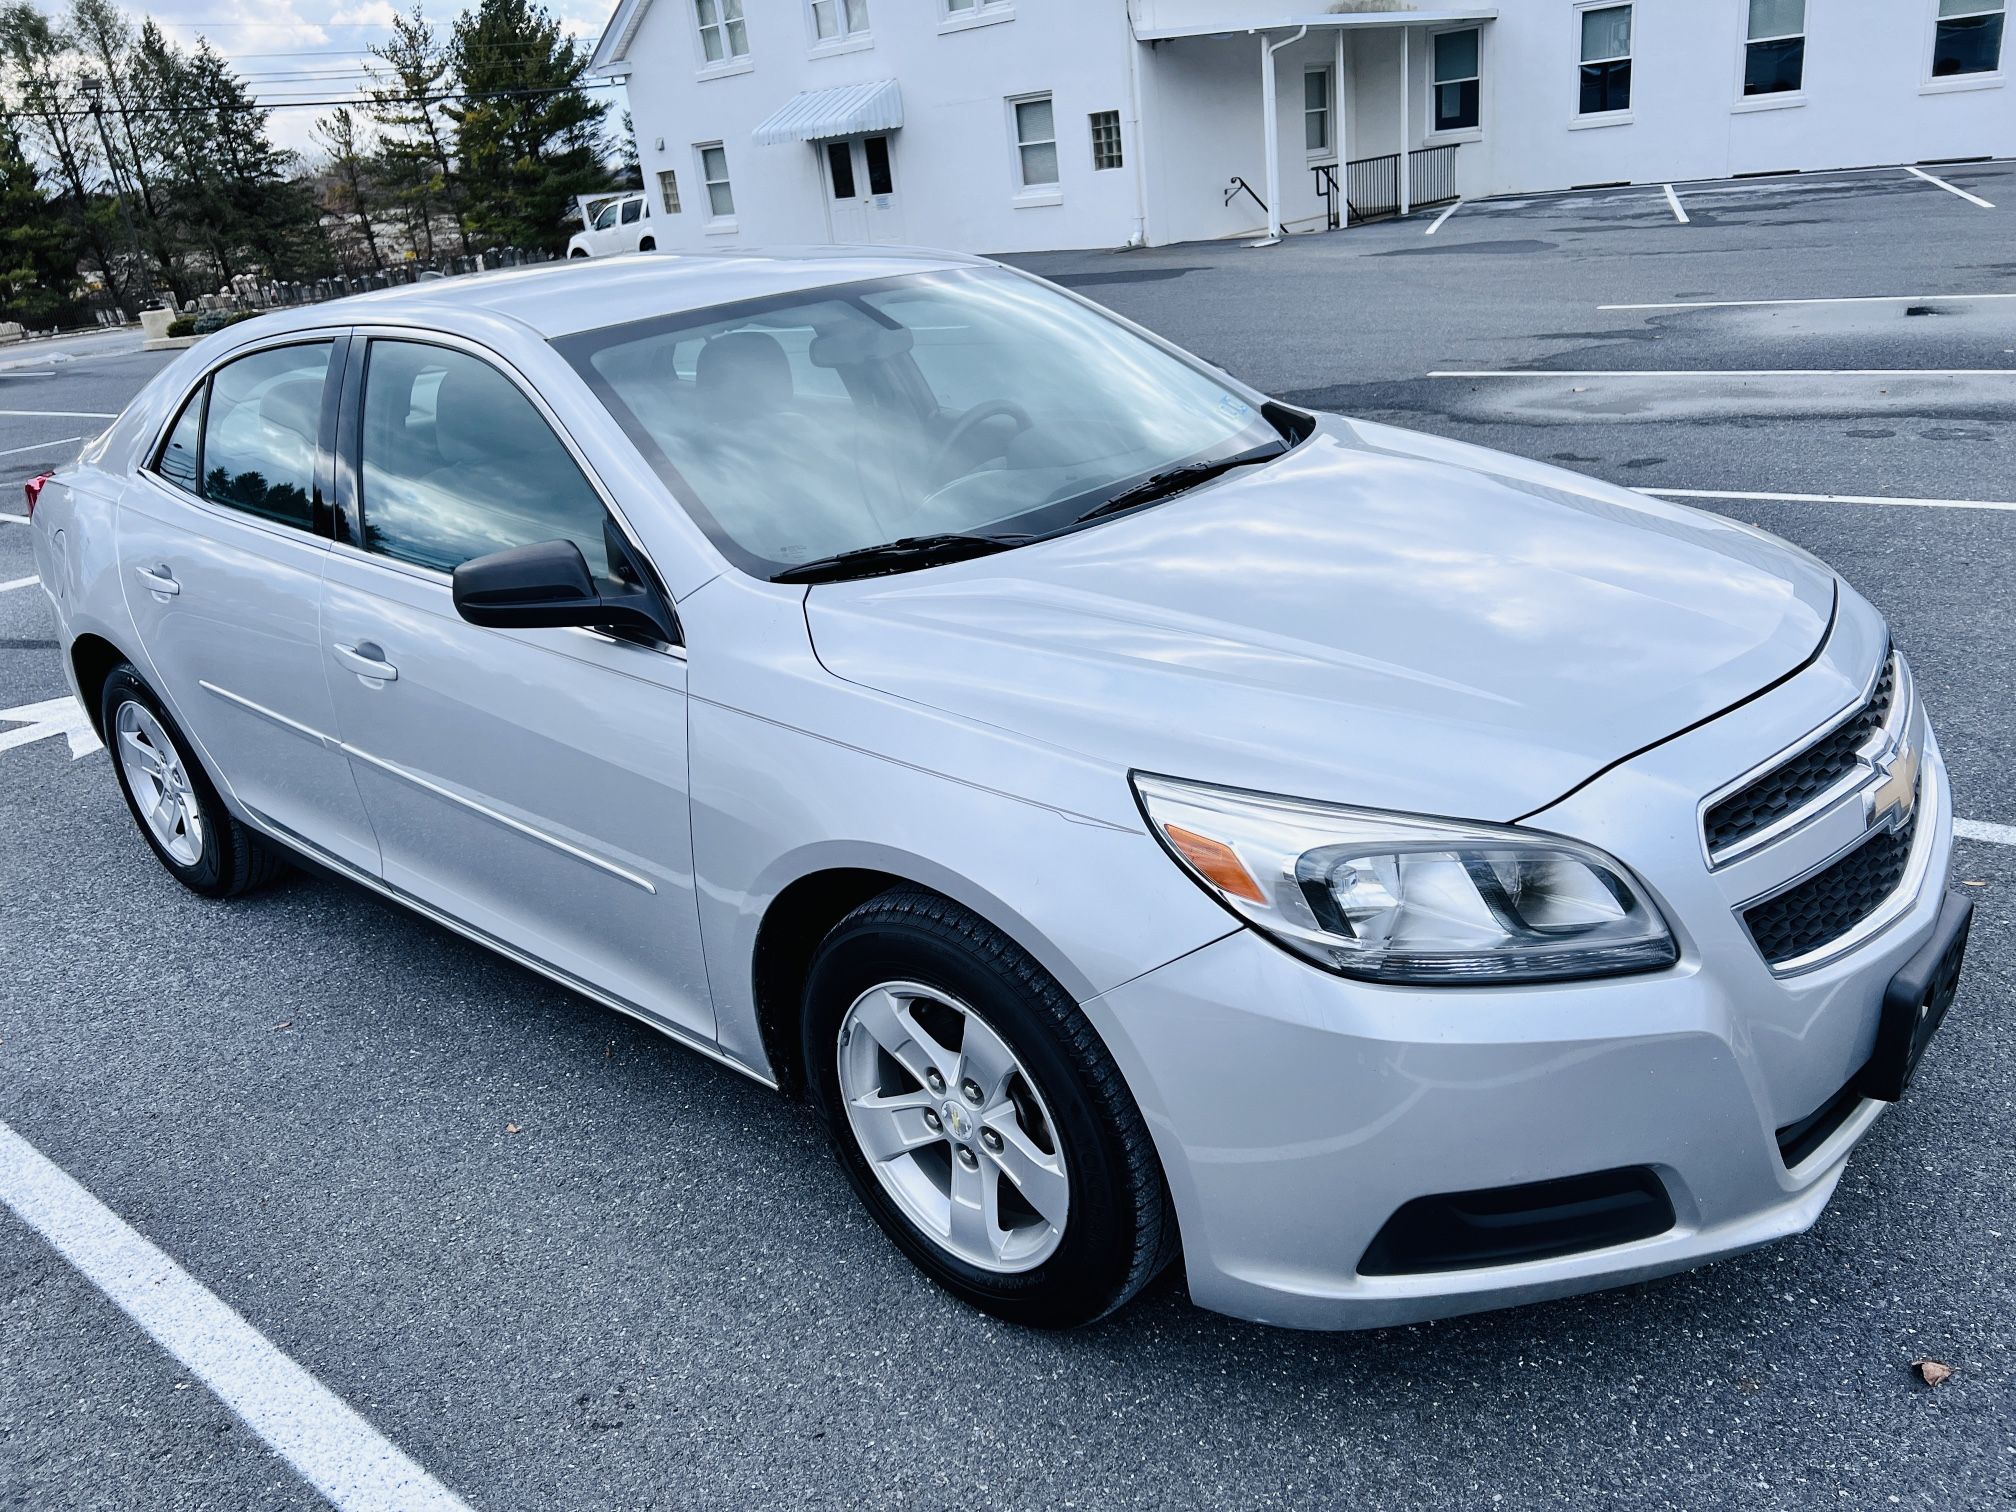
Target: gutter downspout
[
  {"x": 1136, "y": 140},
  {"x": 1270, "y": 116}
]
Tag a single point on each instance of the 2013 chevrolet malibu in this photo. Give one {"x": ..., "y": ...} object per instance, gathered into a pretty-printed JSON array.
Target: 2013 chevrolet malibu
[{"x": 1145, "y": 817}]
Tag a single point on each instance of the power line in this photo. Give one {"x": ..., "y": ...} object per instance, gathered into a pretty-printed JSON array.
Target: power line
[{"x": 472, "y": 97}]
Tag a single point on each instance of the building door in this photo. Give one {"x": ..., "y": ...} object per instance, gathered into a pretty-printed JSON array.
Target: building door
[{"x": 861, "y": 190}]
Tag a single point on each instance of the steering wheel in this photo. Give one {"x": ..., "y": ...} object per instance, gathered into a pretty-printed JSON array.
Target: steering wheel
[{"x": 964, "y": 426}]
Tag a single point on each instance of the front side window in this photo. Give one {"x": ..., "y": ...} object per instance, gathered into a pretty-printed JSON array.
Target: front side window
[
  {"x": 259, "y": 431},
  {"x": 1316, "y": 109},
  {"x": 1774, "y": 53},
  {"x": 668, "y": 190},
  {"x": 805, "y": 425},
  {"x": 1967, "y": 38},
  {"x": 714, "y": 173},
  {"x": 833, "y": 20},
  {"x": 1106, "y": 139},
  {"x": 606, "y": 216},
  {"x": 724, "y": 35},
  {"x": 1036, "y": 142},
  {"x": 457, "y": 463},
  {"x": 1606, "y": 59},
  {"x": 1455, "y": 82}
]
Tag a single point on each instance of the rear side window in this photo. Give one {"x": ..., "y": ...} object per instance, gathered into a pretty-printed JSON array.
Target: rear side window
[
  {"x": 259, "y": 432},
  {"x": 457, "y": 463},
  {"x": 179, "y": 456}
]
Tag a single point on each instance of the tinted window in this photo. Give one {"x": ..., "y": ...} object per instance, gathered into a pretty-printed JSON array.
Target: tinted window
[
  {"x": 259, "y": 433},
  {"x": 457, "y": 463},
  {"x": 178, "y": 457}
]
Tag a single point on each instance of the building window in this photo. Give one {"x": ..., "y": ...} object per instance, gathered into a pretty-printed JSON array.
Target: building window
[
  {"x": 1968, "y": 39},
  {"x": 724, "y": 35},
  {"x": 714, "y": 173},
  {"x": 1455, "y": 91},
  {"x": 1036, "y": 142},
  {"x": 1106, "y": 139},
  {"x": 1316, "y": 109},
  {"x": 1606, "y": 59},
  {"x": 668, "y": 191},
  {"x": 1774, "y": 49},
  {"x": 834, "y": 20}
]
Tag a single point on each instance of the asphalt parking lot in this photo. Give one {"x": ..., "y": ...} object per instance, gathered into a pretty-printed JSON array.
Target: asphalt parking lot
[{"x": 561, "y": 1262}]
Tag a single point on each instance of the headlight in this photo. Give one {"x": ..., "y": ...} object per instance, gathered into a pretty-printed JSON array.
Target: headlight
[{"x": 1399, "y": 898}]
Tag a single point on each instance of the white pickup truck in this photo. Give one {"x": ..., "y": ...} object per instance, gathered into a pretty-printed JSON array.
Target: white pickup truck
[{"x": 613, "y": 223}]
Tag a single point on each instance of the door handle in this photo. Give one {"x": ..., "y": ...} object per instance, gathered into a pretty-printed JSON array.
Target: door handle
[
  {"x": 159, "y": 580},
  {"x": 366, "y": 660}
]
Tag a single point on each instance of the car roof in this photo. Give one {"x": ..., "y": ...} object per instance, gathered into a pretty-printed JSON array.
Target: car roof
[{"x": 575, "y": 294}]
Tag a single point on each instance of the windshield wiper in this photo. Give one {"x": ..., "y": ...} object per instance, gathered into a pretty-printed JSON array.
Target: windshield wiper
[
  {"x": 900, "y": 555},
  {"x": 1175, "y": 480}
]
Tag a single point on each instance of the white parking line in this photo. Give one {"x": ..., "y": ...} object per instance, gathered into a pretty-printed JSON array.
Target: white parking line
[
  {"x": 343, "y": 1457},
  {"x": 13, "y": 519},
  {"x": 1972, "y": 199},
  {"x": 60, "y": 414},
  {"x": 12, "y": 584},
  {"x": 1994, "y": 834},
  {"x": 40, "y": 446},
  {"x": 1751, "y": 304},
  {"x": 1437, "y": 226},
  {"x": 1799, "y": 498},
  {"x": 1697, "y": 373},
  {"x": 1674, "y": 200}
]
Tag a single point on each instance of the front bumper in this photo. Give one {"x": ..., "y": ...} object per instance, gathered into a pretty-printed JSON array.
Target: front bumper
[{"x": 1296, "y": 1111}]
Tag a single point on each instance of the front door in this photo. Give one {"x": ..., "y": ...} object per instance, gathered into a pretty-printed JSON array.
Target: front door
[
  {"x": 529, "y": 783},
  {"x": 861, "y": 189},
  {"x": 221, "y": 553}
]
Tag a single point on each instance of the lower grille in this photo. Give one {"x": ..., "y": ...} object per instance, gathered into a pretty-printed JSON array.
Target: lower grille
[{"x": 1833, "y": 900}]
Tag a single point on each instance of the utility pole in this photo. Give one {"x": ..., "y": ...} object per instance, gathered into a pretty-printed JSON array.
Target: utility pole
[{"x": 94, "y": 91}]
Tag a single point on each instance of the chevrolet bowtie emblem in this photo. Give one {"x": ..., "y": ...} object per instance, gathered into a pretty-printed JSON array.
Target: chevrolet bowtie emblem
[{"x": 1896, "y": 791}]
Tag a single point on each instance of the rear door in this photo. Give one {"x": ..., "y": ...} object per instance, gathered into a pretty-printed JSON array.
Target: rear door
[
  {"x": 530, "y": 783},
  {"x": 222, "y": 539}
]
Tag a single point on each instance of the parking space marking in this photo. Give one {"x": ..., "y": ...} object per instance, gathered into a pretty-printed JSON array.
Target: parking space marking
[
  {"x": 1799, "y": 498},
  {"x": 1972, "y": 199},
  {"x": 343, "y": 1457},
  {"x": 12, "y": 584},
  {"x": 1674, "y": 200},
  {"x": 60, "y": 414},
  {"x": 1752, "y": 304},
  {"x": 1994, "y": 834},
  {"x": 1697, "y": 373},
  {"x": 1437, "y": 226},
  {"x": 39, "y": 446},
  {"x": 13, "y": 519}
]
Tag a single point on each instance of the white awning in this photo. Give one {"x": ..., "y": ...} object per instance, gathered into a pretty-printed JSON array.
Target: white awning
[
  {"x": 1228, "y": 26},
  {"x": 850, "y": 110}
]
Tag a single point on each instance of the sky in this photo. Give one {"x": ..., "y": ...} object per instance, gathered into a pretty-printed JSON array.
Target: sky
[{"x": 315, "y": 49}]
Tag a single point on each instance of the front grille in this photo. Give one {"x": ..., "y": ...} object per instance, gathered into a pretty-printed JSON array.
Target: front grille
[
  {"x": 1835, "y": 899},
  {"x": 1794, "y": 783}
]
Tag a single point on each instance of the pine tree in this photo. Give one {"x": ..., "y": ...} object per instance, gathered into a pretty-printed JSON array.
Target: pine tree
[
  {"x": 529, "y": 135},
  {"x": 352, "y": 191},
  {"x": 105, "y": 37},
  {"x": 38, "y": 259},
  {"x": 414, "y": 134}
]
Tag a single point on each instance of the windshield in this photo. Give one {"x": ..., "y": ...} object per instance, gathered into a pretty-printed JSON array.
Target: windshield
[{"x": 841, "y": 419}]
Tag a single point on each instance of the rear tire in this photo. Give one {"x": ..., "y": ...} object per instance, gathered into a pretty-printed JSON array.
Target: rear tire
[
  {"x": 648, "y": 244},
  {"x": 172, "y": 800},
  {"x": 1066, "y": 1216}
]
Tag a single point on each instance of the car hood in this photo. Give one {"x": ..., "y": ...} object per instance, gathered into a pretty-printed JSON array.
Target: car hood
[{"x": 1378, "y": 618}]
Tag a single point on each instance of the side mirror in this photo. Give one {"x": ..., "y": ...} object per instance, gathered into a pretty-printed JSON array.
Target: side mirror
[{"x": 547, "y": 586}]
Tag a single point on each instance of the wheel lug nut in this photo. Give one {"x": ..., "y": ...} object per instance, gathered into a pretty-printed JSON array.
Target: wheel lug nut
[
  {"x": 967, "y": 1158},
  {"x": 934, "y": 1081},
  {"x": 932, "y": 1120},
  {"x": 970, "y": 1090},
  {"x": 992, "y": 1139}
]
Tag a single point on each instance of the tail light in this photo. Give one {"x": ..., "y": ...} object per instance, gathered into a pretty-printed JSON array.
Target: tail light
[{"x": 33, "y": 489}]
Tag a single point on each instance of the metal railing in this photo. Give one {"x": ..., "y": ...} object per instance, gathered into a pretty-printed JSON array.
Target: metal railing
[
  {"x": 1370, "y": 187},
  {"x": 1239, "y": 186}
]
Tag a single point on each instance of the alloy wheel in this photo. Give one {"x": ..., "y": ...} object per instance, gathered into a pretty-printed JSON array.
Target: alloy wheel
[
  {"x": 161, "y": 787},
  {"x": 953, "y": 1127}
]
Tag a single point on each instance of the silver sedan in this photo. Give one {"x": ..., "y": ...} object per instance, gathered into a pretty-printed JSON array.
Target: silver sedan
[{"x": 1144, "y": 817}]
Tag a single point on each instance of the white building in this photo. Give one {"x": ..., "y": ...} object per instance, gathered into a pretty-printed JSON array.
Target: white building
[{"x": 1018, "y": 125}]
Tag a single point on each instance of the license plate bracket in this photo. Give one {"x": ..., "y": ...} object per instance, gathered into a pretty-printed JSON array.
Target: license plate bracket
[{"x": 1916, "y": 1002}]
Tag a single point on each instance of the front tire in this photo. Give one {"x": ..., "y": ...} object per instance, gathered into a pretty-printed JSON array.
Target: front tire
[
  {"x": 172, "y": 800},
  {"x": 979, "y": 1117}
]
